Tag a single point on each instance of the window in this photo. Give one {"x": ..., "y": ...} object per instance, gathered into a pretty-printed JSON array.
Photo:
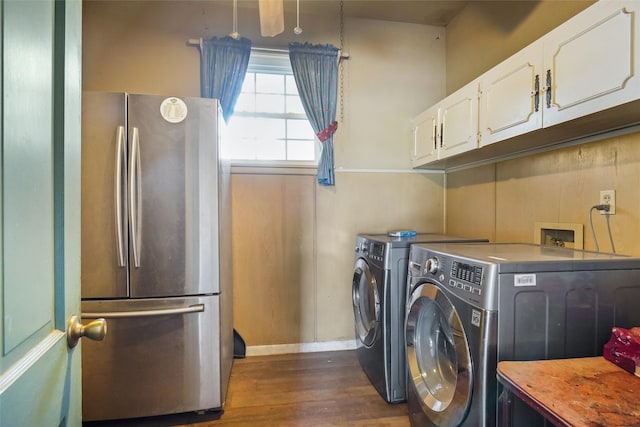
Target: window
[{"x": 269, "y": 123}]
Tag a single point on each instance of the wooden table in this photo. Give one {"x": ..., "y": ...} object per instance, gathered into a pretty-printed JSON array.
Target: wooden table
[{"x": 586, "y": 392}]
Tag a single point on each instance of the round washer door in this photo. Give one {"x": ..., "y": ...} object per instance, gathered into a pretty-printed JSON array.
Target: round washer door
[
  {"x": 366, "y": 303},
  {"x": 440, "y": 370}
]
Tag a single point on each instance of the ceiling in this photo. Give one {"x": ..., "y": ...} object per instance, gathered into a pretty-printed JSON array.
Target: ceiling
[{"x": 426, "y": 12}]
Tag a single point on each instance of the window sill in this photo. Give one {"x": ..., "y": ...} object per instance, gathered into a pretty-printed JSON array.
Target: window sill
[{"x": 274, "y": 168}]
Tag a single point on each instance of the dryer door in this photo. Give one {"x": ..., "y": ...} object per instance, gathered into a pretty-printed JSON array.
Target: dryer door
[
  {"x": 366, "y": 303},
  {"x": 440, "y": 370}
]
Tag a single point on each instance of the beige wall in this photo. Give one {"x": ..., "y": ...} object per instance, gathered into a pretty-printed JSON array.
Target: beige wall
[
  {"x": 507, "y": 198},
  {"x": 471, "y": 203},
  {"x": 396, "y": 71},
  {"x": 372, "y": 203},
  {"x": 376, "y": 190},
  {"x": 141, "y": 47},
  {"x": 562, "y": 187}
]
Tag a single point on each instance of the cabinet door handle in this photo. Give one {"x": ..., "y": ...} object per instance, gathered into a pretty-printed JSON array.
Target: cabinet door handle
[
  {"x": 548, "y": 88},
  {"x": 441, "y": 133},
  {"x": 536, "y": 92},
  {"x": 435, "y": 136}
]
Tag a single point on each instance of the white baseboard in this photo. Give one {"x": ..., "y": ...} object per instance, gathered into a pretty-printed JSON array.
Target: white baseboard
[{"x": 307, "y": 347}]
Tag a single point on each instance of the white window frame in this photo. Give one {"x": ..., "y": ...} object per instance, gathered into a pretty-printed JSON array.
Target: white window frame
[{"x": 274, "y": 61}]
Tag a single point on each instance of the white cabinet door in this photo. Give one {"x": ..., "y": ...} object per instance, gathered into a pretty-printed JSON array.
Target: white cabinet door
[
  {"x": 592, "y": 61},
  {"x": 425, "y": 137},
  {"x": 459, "y": 121},
  {"x": 510, "y": 97}
]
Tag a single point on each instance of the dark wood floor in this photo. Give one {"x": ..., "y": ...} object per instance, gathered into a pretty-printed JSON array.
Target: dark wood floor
[{"x": 306, "y": 389}]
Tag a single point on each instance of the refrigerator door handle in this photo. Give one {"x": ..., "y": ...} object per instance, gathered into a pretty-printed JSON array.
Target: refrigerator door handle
[
  {"x": 196, "y": 308},
  {"x": 134, "y": 196},
  {"x": 120, "y": 152}
]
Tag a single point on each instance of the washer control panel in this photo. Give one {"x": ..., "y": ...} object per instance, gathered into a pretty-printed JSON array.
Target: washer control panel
[
  {"x": 376, "y": 251},
  {"x": 466, "y": 277},
  {"x": 467, "y": 272},
  {"x": 370, "y": 249},
  {"x": 473, "y": 281}
]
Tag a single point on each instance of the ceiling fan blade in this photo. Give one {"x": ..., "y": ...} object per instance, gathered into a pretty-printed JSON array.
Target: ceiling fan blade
[{"x": 271, "y": 17}]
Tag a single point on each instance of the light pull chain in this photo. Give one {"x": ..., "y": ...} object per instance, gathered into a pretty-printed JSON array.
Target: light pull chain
[
  {"x": 341, "y": 63},
  {"x": 297, "y": 29},
  {"x": 234, "y": 34}
]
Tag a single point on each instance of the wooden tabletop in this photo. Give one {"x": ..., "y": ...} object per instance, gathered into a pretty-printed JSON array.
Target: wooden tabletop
[{"x": 586, "y": 392}]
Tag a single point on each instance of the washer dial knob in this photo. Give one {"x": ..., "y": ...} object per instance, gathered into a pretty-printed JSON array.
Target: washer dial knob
[
  {"x": 362, "y": 248},
  {"x": 432, "y": 265}
]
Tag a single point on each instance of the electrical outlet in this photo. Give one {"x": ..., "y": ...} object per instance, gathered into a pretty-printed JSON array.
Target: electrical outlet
[{"x": 608, "y": 197}]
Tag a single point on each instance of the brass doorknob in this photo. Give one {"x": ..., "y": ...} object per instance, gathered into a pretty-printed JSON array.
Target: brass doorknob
[{"x": 94, "y": 330}]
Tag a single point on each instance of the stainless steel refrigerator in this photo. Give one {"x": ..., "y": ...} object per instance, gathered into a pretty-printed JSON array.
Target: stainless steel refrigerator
[{"x": 156, "y": 255}]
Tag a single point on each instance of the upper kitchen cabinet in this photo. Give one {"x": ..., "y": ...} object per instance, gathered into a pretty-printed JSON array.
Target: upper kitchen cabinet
[
  {"x": 592, "y": 62},
  {"x": 586, "y": 65},
  {"x": 425, "y": 137},
  {"x": 447, "y": 128},
  {"x": 578, "y": 81},
  {"x": 510, "y": 97},
  {"x": 459, "y": 121}
]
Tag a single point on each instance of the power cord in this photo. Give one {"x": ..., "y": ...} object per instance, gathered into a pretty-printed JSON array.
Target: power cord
[
  {"x": 613, "y": 248},
  {"x": 593, "y": 233}
]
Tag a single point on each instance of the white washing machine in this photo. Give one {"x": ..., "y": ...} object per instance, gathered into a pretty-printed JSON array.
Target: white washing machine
[
  {"x": 378, "y": 291},
  {"x": 470, "y": 306}
]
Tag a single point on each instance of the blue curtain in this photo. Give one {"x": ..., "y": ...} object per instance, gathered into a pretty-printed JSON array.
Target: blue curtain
[
  {"x": 223, "y": 66},
  {"x": 315, "y": 69}
]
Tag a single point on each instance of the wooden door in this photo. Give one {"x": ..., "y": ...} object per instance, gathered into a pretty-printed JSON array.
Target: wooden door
[
  {"x": 592, "y": 61},
  {"x": 40, "y": 187}
]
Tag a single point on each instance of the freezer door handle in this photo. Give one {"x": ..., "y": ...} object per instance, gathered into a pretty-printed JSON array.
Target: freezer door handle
[
  {"x": 135, "y": 214},
  {"x": 120, "y": 152},
  {"x": 196, "y": 308}
]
